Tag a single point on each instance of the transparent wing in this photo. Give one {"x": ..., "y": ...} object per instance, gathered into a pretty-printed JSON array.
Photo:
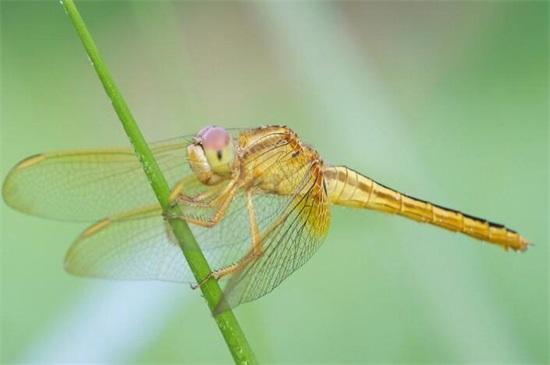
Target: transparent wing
[
  {"x": 132, "y": 246},
  {"x": 86, "y": 185},
  {"x": 287, "y": 242},
  {"x": 139, "y": 245}
]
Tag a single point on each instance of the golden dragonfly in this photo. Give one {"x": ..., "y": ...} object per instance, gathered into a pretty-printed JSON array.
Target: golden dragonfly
[{"x": 258, "y": 201}]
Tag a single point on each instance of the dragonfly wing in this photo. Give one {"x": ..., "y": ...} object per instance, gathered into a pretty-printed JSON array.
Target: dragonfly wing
[
  {"x": 86, "y": 185},
  {"x": 139, "y": 245},
  {"x": 288, "y": 240},
  {"x": 132, "y": 246}
]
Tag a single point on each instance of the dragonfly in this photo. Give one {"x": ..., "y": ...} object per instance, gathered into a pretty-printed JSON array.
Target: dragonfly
[{"x": 257, "y": 200}]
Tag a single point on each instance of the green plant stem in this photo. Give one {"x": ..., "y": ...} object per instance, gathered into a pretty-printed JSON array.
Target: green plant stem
[{"x": 226, "y": 321}]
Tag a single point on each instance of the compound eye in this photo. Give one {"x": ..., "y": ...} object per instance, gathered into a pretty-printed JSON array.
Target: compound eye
[
  {"x": 218, "y": 148},
  {"x": 214, "y": 138}
]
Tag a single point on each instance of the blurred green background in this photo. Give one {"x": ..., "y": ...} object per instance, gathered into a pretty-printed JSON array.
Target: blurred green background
[{"x": 444, "y": 101}]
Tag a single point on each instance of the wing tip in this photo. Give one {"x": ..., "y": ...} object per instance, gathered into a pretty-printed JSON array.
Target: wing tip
[
  {"x": 72, "y": 252},
  {"x": 9, "y": 193},
  {"x": 29, "y": 161}
]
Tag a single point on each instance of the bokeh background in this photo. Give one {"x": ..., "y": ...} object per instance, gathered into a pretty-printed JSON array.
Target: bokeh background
[{"x": 444, "y": 101}]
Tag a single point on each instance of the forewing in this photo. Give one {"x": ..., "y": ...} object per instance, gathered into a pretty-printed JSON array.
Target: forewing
[{"x": 89, "y": 184}]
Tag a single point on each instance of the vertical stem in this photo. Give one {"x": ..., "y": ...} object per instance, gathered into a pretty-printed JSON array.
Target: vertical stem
[{"x": 226, "y": 321}]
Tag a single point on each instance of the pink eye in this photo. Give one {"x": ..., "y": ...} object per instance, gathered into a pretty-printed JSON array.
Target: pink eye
[{"x": 213, "y": 137}]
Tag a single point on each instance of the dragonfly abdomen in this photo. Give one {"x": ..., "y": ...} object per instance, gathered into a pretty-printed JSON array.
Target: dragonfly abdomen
[{"x": 349, "y": 188}]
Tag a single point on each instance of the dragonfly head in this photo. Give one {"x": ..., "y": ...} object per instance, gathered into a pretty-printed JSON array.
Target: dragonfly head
[{"x": 212, "y": 154}]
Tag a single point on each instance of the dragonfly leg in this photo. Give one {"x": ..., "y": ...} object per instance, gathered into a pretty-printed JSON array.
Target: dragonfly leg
[
  {"x": 254, "y": 230},
  {"x": 227, "y": 197},
  {"x": 200, "y": 200},
  {"x": 231, "y": 269},
  {"x": 177, "y": 193},
  {"x": 254, "y": 252},
  {"x": 204, "y": 199}
]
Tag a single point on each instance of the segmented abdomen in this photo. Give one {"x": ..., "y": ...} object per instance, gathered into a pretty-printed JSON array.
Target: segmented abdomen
[{"x": 349, "y": 188}]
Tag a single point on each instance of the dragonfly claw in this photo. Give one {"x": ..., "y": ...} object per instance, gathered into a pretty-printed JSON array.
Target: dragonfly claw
[
  {"x": 168, "y": 215},
  {"x": 212, "y": 274}
]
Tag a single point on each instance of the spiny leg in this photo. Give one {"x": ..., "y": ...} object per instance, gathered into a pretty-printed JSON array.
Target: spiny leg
[
  {"x": 178, "y": 188},
  {"x": 206, "y": 198},
  {"x": 254, "y": 230},
  {"x": 226, "y": 196},
  {"x": 177, "y": 196},
  {"x": 254, "y": 252}
]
